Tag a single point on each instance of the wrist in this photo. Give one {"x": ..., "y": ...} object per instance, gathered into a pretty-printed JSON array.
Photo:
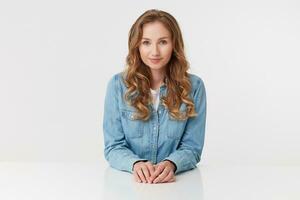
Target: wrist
[
  {"x": 172, "y": 164},
  {"x": 138, "y": 162}
]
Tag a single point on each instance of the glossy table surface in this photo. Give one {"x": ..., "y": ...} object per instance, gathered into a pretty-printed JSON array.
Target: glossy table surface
[{"x": 46, "y": 180}]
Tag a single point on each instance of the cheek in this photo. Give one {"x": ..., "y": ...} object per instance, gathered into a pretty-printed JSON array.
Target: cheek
[
  {"x": 168, "y": 51},
  {"x": 143, "y": 52}
]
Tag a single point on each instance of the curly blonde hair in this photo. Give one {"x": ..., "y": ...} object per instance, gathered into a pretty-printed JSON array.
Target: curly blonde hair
[{"x": 137, "y": 75}]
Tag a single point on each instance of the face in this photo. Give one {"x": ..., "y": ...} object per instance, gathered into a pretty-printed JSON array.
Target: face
[{"x": 156, "y": 46}]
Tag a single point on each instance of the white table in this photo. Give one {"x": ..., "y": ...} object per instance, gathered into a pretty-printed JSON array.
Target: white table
[{"x": 88, "y": 181}]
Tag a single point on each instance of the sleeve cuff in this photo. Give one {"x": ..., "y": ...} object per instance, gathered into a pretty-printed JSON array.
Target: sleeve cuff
[
  {"x": 173, "y": 164},
  {"x": 178, "y": 163}
]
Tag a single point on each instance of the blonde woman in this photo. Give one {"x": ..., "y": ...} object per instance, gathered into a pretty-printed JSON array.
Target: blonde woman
[{"x": 155, "y": 111}]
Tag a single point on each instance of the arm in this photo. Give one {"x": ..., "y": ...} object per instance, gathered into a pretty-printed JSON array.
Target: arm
[
  {"x": 116, "y": 149},
  {"x": 188, "y": 154}
]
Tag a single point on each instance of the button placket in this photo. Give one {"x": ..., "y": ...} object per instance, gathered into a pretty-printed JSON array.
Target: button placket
[{"x": 155, "y": 137}]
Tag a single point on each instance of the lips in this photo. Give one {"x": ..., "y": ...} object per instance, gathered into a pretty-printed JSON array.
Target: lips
[{"x": 155, "y": 60}]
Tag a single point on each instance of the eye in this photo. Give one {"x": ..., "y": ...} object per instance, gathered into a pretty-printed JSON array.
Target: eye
[
  {"x": 163, "y": 42},
  {"x": 145, "y": 42}
]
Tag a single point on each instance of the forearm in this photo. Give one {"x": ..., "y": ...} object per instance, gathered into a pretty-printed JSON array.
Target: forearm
[
  {"x": 184, "y": 159},
  {"x": 121, "y": 158}
]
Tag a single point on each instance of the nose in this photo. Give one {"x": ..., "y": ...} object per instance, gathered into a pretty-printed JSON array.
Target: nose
[{"x": 155, "y": 51}]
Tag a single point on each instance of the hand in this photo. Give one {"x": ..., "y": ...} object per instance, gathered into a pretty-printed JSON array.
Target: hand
[
  {"x": 164, "y": 172},
  {"x": 142, "y": 171}
]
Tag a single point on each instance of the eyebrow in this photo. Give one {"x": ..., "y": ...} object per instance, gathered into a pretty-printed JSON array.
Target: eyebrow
[{"x": 158, "y": 38}]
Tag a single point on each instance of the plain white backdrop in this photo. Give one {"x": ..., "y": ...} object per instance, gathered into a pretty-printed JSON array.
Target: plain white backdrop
[{"x": 57, "y": 56}]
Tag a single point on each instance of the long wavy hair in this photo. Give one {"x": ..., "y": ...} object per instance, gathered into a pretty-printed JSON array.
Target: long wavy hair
[{"x": 137, "y": 75}]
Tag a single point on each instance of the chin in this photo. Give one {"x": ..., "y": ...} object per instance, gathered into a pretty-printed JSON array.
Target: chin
[{"x": 155, "y": 67}]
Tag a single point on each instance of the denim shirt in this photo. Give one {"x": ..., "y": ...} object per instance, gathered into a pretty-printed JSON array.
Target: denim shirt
[{"x": 128, "y": 140}]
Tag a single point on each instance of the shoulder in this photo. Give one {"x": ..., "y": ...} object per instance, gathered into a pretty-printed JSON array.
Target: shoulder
[
  {"x": 196, "y": 81},
  {"x": 116, "y": 83},
  {"x": 117, "y": 79},
  {"x": 198, "y": 92}
]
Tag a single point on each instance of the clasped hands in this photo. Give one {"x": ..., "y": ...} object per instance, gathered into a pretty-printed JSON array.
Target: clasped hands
[{"x": 146, "y": 172}]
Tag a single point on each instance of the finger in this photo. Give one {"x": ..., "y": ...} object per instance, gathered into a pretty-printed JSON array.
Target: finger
[
  {"x": 158, "y": 170},
  {"x": 161, "y": 176},
  {"x": 141, "y": 175},
  {"x": 136, "y": 177},
  {"x": 172, "y": 179},
  {"x": 146, "y": 173},
  {"x": 151, "y": 169},
  {"x": 168, "y": 177}
]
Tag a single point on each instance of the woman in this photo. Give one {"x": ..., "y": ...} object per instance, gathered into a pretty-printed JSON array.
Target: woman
[{"x": 154, "y": 112}]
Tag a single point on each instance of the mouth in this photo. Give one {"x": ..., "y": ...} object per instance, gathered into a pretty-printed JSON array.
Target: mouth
[{"x": 155, "y": 61}]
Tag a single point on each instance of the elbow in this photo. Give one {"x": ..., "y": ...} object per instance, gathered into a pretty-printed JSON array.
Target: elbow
[
  {"x": 107, "y": 153},
  {"x": 197, "y": 155}
]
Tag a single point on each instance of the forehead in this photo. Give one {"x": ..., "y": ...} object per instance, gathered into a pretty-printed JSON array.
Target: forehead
[{"x": 155, "y": 30}]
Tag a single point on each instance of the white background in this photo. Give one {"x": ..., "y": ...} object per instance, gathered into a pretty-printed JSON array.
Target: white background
[{"x": 57, "y": 56}]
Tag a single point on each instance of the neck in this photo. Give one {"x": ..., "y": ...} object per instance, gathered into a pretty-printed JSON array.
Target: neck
[{"x": 157, "y": 78}]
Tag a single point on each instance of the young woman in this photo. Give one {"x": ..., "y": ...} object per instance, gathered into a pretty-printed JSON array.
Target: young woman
[{"x": 155, "y": 111}]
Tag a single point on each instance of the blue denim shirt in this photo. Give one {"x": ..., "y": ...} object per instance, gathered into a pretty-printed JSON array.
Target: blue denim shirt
[{"x": 128, "y": 140}]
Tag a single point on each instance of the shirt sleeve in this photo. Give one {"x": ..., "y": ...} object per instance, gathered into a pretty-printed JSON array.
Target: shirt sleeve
[
  {"x": 116, "y": 150},
  {"x": 189, "y": 151}
]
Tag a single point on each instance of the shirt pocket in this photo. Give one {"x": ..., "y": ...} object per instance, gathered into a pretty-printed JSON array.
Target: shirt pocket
[
  {"x": 132, "y": 127},
  {"x": 175, "y": 128}
]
